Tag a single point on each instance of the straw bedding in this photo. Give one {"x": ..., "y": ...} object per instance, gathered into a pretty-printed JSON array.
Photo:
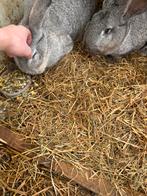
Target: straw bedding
[{"x": 88, "y": 112}]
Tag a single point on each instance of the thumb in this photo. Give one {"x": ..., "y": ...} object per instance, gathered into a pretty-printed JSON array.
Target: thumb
[
  {"x": 27, "y": 51},
  {"x": 29, "y": 39}
]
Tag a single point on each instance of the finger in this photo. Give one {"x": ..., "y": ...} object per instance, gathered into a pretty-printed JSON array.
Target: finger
[
  {"x": 24, "y": 52},
  {"x": 27, "y": 34},
  {"x": 27, "y": 52},
  {"x": 29, "y": 39}
]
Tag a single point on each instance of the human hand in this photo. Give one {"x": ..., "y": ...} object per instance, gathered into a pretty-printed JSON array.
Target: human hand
[{"x": 15, "y": 41}]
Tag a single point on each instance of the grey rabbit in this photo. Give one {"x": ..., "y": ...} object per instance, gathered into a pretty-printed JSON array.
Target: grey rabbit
[
  {"x": 108, "y": 33},
  {"x": 55, "y": 25}
]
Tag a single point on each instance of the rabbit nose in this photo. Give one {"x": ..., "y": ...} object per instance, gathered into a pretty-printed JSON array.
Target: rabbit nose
[
  {"x": 34, "y": 53},
  {"x": 36, "y": 56}
]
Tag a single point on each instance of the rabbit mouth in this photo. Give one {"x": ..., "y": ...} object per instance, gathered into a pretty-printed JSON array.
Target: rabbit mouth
[
  {"x": 38, "y": 63},
  {"x": 34, "y": 66},
  {"x": 117, "y": 46}
]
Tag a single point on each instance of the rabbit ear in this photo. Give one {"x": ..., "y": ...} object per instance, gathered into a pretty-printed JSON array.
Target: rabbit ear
[
  {"x": 37, "y": 12},
  {"x": 34, "y": 11},
  {"x": 134, "y": 7},
  {"x": 27, "y": 8}
]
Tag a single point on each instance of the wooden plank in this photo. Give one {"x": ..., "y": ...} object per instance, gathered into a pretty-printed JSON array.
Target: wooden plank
[{"x": 85, "y": 177}]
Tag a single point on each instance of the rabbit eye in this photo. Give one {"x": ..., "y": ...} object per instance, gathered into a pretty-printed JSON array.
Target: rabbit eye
[{"x": 108, "y": 30}]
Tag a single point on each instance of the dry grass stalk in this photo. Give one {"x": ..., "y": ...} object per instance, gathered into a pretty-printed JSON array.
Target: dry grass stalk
[
  {"x": 85, "y": 111},
  {"x": 85, "y": 177}
]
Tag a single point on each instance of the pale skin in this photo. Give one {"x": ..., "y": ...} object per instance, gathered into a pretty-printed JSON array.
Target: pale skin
[{"x": 15, "y": 40}]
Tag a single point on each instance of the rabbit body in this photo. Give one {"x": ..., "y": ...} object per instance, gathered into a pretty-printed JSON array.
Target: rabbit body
[
  {"x": 54, "y": 24},
  {"x": 108, "y": 34}
]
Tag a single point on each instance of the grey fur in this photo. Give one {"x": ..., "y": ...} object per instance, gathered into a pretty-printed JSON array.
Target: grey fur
[
  {"x": 107, "y": 4},
  {"x": 108, "y": 34},
  {"x": 55, "y": 24}
]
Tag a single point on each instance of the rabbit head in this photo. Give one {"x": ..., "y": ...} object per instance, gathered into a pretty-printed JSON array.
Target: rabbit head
[
  {"x": 47, "y": 50},
  {"x": 47, "y": 46},
  {"x": 105, "y": 32}
]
